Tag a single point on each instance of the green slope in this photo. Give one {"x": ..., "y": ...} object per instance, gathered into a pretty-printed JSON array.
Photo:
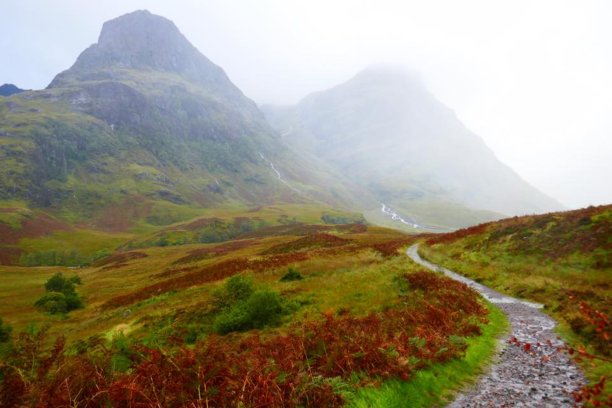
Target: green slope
[
  {"x": 144, "y": 127},
  {"x": 562, "y": 260}
]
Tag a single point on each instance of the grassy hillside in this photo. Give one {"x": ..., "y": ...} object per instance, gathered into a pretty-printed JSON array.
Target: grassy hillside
[
  {"x": 562, "y": 260},
  {"x": 37, "y": 238},
  {"x": 340, "y": 300},
  {"x": 144, "y": 128}
]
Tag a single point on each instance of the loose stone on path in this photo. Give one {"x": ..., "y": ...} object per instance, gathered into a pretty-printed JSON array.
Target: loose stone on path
[{"x": 538, "y": 377}]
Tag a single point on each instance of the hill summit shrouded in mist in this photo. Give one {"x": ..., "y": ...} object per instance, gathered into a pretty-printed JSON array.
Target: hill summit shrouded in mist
[{"x": 386, "y": 130}]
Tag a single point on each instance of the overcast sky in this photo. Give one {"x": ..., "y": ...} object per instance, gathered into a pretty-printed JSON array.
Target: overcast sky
[{"x": 532, "y": 78}]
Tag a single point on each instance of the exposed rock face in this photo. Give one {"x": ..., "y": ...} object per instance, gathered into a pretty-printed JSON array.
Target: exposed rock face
[
  {"x": 144, "y": 41},
  {"x": 143, "y": 73},
  {"x": 10, "y": 89}
]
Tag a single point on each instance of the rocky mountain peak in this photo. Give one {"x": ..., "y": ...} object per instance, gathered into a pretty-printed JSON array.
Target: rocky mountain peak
[
  {"x": 144, "y": 41},
  {"x": 141, "y": 39}
]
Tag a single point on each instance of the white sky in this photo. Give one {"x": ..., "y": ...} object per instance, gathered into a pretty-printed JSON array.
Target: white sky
[{"x": 532, "y": 78}]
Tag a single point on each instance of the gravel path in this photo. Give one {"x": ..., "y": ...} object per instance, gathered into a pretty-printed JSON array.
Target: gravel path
[{"x": 539, "y": 377}]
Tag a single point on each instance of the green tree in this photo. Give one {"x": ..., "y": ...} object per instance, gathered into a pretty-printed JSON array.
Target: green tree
[
  {"x": 61, "y": 295},
  {"x": 262, "y": 308},
  {"x": 58, "y": 283},
  {"x": 237, "y": 288}
]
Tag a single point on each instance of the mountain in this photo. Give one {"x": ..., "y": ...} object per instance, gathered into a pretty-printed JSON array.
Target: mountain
[
  {"x": 9, "y": 89},
  {"x": 384, "y": 129},
  {"x": 145, "y": 127}
]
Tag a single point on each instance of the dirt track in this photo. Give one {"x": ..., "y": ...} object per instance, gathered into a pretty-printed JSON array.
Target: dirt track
[{"x": 539, "y": 377}]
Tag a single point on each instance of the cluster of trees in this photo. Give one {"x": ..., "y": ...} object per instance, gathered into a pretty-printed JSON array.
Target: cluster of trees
[
  {"x": 61, "y": 258},
  {"x": 216, "y": 231},
  {"x": 61, "y": 295},
  {"x": 219, "y": 231},
  {"x": 342, "y": 219}
]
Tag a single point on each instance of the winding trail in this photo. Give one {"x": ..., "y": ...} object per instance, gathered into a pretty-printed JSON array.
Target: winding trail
[{"x": 540, "y": 377}]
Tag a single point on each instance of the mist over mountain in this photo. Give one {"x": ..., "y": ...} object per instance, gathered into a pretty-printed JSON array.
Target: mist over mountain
[{"x": 384, "y": 130}]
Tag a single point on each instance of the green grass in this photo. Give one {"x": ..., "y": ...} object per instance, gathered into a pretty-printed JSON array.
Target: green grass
[
  {"x": 544, "y": 259},
  {"x": 86, "y": 242},
  {"x": 352, "y": 278},
  {"x": 436, "y": 385}
]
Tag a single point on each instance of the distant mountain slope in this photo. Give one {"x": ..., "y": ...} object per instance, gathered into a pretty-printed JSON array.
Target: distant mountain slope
[
  {"x": 384, "y": 129},
  {"x": 9, "y": 89},
  {"x": 143, "y": 126}
]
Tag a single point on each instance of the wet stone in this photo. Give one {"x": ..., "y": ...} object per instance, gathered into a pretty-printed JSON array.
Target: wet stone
[{"x": 519, "y": 378}]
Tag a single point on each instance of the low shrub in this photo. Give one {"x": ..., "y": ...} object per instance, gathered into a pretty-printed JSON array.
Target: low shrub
[
  {"x": 291, "y": 275},
  {"x": 52, "y": 302},
  {"x": 5, "y": 332},
  {"x": 307, "y": 365},
  {"x": 262, "y": 308},
  {"x": 237, "y": 288}
]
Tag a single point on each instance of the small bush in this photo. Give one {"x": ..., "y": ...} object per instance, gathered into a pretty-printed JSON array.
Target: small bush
[
  {"x": 237, "y": 288},
  {"x": 234, "y": 319},
  {"x": 291, "y": 275},
  {"x": 73, "y": 302},
  {"x": 5, "y": 332},
  {"x": 52, "y": 302},
  {"x": 262, "y": 308}
]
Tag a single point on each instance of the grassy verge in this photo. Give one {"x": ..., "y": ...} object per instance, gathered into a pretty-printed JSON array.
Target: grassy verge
[
  {"x": 527, "y": 279},
  {"x": 437, "y": 384}
]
